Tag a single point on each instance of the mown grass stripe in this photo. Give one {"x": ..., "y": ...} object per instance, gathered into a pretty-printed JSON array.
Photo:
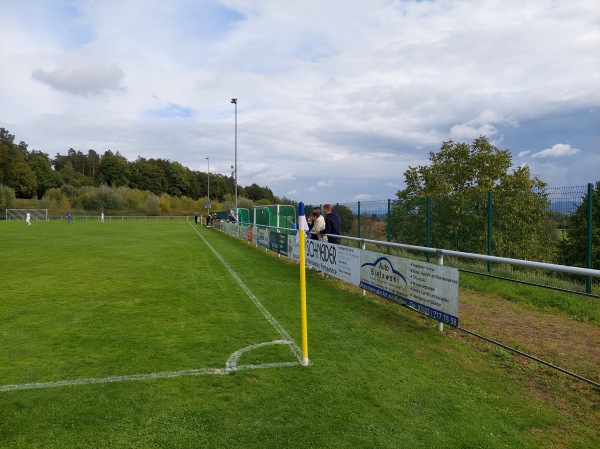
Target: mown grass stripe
[
  {"x": 270, "y": 318},
  {"x": 230, "y": 366}
]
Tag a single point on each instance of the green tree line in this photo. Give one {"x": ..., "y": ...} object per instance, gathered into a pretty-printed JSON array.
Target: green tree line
[{"x": 32, "y": 173}]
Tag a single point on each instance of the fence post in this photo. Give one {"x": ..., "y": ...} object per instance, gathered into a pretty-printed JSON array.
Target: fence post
[
  {"x": 364, "y": 247},
  {"x": 359, "y": 223},
  {"x": 489, "y": 230},
  {"x": 440, "y": 256},
  {"x": 389, "y": 223},
  {"x": 428, "y": 225},
  {"x": 588, "y": 262}
]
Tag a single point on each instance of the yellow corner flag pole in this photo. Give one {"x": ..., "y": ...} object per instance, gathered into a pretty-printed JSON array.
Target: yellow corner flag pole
[{"x": 302, "y": 228}]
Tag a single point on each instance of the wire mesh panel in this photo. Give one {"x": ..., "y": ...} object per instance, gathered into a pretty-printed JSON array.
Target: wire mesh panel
[
  {"x": 547, "y": 225},
  {"x": 243, "y": 216},
  {"x": 262, "y": 216},
  {"x": 287, "y": 216},
  {"x": 373, "y": 220},
  {"x": 276, "y": 216}
]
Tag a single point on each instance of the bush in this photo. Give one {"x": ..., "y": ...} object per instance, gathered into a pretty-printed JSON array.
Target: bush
[
  {"x": 151, "y": 206},
  {"x": 109, "y": 198},
  {"x": 7, "y": 197}
]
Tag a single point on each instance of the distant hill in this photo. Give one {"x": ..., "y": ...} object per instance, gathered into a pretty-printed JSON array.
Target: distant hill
[{"x": 566, "y": 207}]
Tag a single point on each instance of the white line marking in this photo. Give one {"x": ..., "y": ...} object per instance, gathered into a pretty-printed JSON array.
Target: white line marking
[
  {"x": 163, "y": 375},
  {"x": 102, "y": 380},
  {"x": 282, "y": 332},
  {"x": 230, "y": 366}
]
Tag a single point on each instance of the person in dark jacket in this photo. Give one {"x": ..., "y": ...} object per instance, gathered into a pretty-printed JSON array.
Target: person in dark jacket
[{"x": 332, "y": 224}]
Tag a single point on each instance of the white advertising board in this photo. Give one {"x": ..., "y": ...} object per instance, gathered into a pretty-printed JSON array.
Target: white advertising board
[
  {"x": 429, "y": 288},
  {"x": 342, "y": 262}
]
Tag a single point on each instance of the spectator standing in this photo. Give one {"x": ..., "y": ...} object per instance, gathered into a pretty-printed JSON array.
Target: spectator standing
[
  {"x": 332, "y": 225},
  {"x": 318, "y": 225},
  {"x": 310, "y": 224}
]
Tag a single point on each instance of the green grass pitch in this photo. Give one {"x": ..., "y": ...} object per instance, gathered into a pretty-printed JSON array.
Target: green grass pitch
[{"x": 118, "y": 334}]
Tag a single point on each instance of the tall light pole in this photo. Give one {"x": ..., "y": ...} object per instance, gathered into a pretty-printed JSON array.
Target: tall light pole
[
  {"x": 234, "y": 101},
  {"x": 208, "y": 195}
]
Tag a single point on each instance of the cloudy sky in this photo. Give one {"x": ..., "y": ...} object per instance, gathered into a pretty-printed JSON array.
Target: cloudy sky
[{"x": 336, "y": 98}]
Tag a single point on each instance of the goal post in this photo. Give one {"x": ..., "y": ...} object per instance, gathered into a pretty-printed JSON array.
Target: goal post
[{"x": 20, "y": 214}]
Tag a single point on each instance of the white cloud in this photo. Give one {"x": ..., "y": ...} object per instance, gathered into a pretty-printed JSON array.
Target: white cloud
[
  {"x": 484, "y": 124},
  {"x": 83, "y": 80},
  {"x": 334, "y": 95},
  {"x": 558, "y": 150},
  {"x": 324, "y": 183},
  {"x": 362, "y": 197},
  {"x": 280, "y": 179}
]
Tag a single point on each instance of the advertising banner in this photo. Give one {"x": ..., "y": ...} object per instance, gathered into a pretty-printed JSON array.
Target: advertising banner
[
  {"x": 278, "y": 242},
  {"x": 429, "y": 288},
  {"x": 262, "y": 238},
  {"x": 342, "y": 262}
]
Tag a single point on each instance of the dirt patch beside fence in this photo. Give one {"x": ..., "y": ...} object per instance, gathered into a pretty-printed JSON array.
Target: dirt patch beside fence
[{"x": 552, "y": 337}]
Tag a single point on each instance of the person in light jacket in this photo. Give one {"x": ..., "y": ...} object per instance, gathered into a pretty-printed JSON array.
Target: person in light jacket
[{"x": 318, "y": 225}]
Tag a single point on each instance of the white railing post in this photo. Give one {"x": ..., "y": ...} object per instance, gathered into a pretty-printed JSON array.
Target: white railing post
[{"x": 440, "y": 255}]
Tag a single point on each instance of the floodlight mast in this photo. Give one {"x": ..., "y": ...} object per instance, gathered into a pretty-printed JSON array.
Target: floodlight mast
[
  {"x": 208, "y": 174},
  {"x": 234, "y": 101}
]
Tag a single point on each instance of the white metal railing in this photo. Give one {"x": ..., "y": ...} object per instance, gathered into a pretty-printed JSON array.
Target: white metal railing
[
  {"x": 505, "y": 260},
  {"x": 446, "y": 252}
]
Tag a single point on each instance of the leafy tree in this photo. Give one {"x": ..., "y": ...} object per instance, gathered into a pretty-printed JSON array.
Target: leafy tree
[
  {"x": 148, "y": 175},
  {"x": 573, "y": 248},
  {"x": 23, "y": 181},
  {"x": 220, "y": 186},
  {"x": 15, "y": 172},
  {"x": 46, "y": 177},
  {"x": 78, "y": 160},
  {"x": 93, "y": 162},
  {"x": 6, "y": 144},
  {"x": 7, "y": 197},
  {"x": 114, "y": 170},
  {"x": 458, "y": 181},
  {"x": 72, "y": 177},
  {"x": 256, "y": 193},
  {"x": 198, "y": 184},
  {"x": 346, "y": 218},
  {"x": 179, "y": 183}
]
